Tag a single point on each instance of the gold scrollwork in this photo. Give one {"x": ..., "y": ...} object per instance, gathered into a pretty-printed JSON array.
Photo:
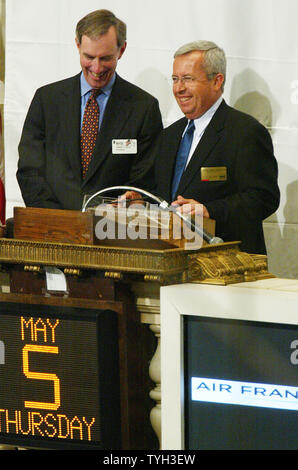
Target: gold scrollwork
[{"x": 226, "y": 265}]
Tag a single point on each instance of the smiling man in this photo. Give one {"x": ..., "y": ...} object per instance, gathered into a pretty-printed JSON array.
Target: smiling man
[
  {"x": 216, "y": 160},
  {"x": 74, "y": 137}
]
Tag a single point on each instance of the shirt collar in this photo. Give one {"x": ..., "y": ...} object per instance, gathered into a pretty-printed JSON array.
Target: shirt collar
[
  {"x": 203, "y": 121},
  {"x": 85, "y": 87}
]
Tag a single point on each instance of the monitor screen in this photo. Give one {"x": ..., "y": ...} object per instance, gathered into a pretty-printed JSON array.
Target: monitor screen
[
  {"x": 59, "y": 387},
  {"x": 241, "y": 384}
]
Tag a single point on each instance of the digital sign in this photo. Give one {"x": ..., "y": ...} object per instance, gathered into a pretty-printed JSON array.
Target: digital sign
[
  {"x": 241, "y": 384},
  {"x": 59, "y": 377}
]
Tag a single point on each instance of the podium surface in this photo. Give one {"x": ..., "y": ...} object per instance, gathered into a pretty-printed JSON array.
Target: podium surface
[{"x": 229, "y": 359}]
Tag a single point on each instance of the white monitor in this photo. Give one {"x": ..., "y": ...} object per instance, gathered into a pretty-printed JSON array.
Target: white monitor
[{"x": 229, "y": 366}]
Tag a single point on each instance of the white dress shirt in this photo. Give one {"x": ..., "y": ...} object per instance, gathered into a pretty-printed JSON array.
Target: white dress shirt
[{"x": 200, "y": 125}]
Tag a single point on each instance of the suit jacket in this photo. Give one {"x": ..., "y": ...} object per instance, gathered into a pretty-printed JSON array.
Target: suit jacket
[
  {"x": 249, "y": 194},
  {"x": 49, "y": 167}
]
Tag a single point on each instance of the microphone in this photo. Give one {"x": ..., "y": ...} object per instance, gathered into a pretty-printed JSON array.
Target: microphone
[{"x": 164, "y": 205}]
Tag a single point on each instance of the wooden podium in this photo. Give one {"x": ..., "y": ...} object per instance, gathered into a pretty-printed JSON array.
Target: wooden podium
[{"x": 122, "y": 276}]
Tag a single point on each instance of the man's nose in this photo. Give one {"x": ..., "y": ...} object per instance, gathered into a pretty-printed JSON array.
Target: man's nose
[
  {"x": 179, "y": 86},
  {"x": 97, "y": 66}
]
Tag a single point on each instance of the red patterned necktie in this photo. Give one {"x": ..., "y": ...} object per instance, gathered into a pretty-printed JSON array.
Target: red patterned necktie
[{"x": 89, "y": 130}]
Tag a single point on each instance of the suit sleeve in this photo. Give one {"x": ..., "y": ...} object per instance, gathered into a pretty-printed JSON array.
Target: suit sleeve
[
  {"x": 141, "y": 173},
  {"x": 32, "y": 159},
  {"x": 255, "y": 194}
]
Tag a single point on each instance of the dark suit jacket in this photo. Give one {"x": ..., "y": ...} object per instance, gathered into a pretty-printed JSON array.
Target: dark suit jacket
[
  {"x": 250, "y": 193},
  {"x": 49, "y": 168}
]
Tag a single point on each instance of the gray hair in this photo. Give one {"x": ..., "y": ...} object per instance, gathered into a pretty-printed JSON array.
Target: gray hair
[
  {"x": 214, "y": 57},
  {"x": 97, "y": 23}
]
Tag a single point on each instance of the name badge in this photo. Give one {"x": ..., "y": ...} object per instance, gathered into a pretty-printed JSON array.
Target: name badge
[
  {"x": 124, "y": 146},
  {"x": 214, "y": 173}
]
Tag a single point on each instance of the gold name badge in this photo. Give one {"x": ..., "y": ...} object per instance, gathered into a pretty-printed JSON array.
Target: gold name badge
[{"x": 214, "y": 173}]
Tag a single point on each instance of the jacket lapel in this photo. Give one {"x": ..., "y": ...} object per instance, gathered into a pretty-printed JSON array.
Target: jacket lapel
[
  {"x": 70, "y": 106},
  {"x": 207, "y": 143}
]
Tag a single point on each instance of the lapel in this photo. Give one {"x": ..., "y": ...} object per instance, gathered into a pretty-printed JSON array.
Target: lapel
[
  {"x": 70, "y": 105},
  {"x": 206, "y": 145},
  {"x": 117, "y": 111}
]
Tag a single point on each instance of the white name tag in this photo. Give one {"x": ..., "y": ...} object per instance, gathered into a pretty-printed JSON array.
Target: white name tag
[{"x": 124, "y": 146}]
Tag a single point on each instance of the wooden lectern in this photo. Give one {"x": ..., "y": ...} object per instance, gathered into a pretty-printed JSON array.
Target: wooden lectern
[{"x": 117, "y": 275}]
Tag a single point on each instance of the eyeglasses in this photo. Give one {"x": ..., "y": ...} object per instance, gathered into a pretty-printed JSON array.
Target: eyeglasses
[{"x": 189, "y": 80}]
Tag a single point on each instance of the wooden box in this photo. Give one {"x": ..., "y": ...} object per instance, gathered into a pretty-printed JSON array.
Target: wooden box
[
  {"x": 53, "y": 225},
  {"x": 134, "y": 229}
]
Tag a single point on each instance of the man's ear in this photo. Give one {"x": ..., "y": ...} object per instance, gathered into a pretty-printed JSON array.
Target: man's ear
[
  {"x": 218, "y": 80},
  {"x": 77, "y": 43},
  {"x": 122, "y": 49}
]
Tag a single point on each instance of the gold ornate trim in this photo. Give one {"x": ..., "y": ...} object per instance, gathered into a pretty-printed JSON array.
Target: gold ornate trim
[
  {"x": 108, "y": 259},
  {"x": 213, "y": 264},
  {"x": 225, "y": 264}
]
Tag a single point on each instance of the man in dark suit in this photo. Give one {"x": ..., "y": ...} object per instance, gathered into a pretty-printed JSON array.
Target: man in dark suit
[
  {"x": 229, "y": 172},
  {"x": 51, "y": 172}
]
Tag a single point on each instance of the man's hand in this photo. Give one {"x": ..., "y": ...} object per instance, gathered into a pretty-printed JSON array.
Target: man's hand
[
  {"x": 190, "y": 206},
  {"x": 131, "y": 197}
]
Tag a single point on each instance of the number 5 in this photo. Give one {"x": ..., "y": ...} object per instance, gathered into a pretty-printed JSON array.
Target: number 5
[{"x": 41, "y": 376}]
